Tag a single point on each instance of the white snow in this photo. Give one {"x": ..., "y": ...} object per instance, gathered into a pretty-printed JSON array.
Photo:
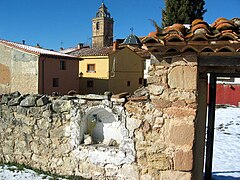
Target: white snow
[
  {"x": 226, "y": 155},
  {"x": 226, "y": 149},
  {"x": 13, "y": 173}
]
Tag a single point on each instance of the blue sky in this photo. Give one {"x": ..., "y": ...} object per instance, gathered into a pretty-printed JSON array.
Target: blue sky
[{"x": 56, "y": 23}]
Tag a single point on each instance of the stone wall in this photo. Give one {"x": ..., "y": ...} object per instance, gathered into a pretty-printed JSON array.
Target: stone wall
[
  {"x": 50, "y": 133},
  {"x": 164, "y": 140},
  {"x": 149, "y": 135}
]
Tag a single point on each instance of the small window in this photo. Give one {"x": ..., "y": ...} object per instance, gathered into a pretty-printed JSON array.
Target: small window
[
  {"x": 145, "y": 65},
  {"x": 128, "y": 83},
  {"x": 91, "y": 68},
  {"x": 140, "y": 81},
  {"x": 97, "y": 26},
  {"x": 55, "y": 82},
  {"x": 90, "y": 84},
  {"x": 62, "y": 65}
]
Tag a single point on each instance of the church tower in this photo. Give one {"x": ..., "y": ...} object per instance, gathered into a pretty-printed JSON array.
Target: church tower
[{"x": 102, "y": 28}]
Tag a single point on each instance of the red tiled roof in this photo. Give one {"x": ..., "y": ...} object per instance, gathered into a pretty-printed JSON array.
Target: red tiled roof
[
  {"x": 178, "y": 32},
  {"x": 104, "y": 51},
  {"x": 35, "y": 50}
]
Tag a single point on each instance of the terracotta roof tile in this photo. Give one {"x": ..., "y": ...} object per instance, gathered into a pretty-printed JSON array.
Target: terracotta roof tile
[
  {"x": 214, "y": 32},
  {"x": 222, "y": 36},
  {"x": 105, "y": 51}
]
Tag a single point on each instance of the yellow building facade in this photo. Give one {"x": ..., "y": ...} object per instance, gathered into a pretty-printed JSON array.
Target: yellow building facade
[{"x": 116, "y": 71}]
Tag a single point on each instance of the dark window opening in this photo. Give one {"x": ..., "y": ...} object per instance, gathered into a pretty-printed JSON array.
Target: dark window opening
[
  {"x": 55, "y": 82},
  {"x": 90, "y": 84},
  {"x": 62, "y": 65},
  {"x": 97, "y": 26},
  {"x": 128, "y": 83},
  {"x": 91, "y": 68},
  {"x": 140, "y": 81}
]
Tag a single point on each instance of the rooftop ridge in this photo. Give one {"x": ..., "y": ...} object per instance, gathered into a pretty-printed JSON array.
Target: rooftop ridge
[{"x": 34, "y": 50}]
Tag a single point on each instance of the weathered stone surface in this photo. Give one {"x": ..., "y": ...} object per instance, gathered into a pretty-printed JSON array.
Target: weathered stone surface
[
  {"x": 111, "y": 170},
  {"x": 175, "y": 175},
  {"x": 15, "y": 94},
  {"x": 183, "y": 161},
  {"x": 141, "y": 91},
  {"x": 128, "y": 172},
  {"x": 29, "y": 101},
  {"x": 179, "y": 103},
  {"x": 5, "y": 99},
  {"x": 120, "y": 95},
  {"x": 180, "y": 112},
  {"x": 61, "y": 105},
  {"x": 156, "y": 89},
  {"x": 161, "y": 103},
  {"x": 42, "y": 101},
  {"x": 182, "y": 134},
  {"x": 15, "y": 101},
  {"x": 183, "y": 77}
]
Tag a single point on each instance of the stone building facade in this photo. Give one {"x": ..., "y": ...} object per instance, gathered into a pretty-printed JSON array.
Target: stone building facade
[{"x": 102, "y": 28}]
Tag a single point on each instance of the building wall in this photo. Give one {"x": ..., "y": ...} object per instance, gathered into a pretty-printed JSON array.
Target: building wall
[
  {"x": 102, "y": 37},
  {"x": 99, "y": 86},
  {"x": 128, "y": 68},
  {"x": 228, "y": 94},
  {"x": 99, "y": 78},
  {"x": 101, "y": 67},
  {"x": 68, "y": 78},
  {"x": 21, "y": 70}
]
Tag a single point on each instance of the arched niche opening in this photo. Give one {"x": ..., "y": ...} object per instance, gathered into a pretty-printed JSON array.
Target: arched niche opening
[{"x": 103, "y": 126}]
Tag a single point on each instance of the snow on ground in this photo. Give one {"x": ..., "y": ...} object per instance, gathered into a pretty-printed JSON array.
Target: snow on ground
[
  {"x": 13, "y": 173},
  {"x": 226, "y": 149},
  {"x": 226, "y": 155}
]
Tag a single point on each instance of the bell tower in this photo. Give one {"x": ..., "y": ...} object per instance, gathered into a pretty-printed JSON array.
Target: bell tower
[{"x": 102, "y": 28}]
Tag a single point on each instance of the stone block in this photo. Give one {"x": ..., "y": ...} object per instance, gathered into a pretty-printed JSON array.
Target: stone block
[
  {"x": 128, "y": 172},
  {"x": 179, "y": 103},
  {"x": 60, "y": 106},
  {"x": 111, "y": 170},
  {"x": 161, "y": 103},
  {"x": 175, "y": 175},
  {"x": 183, "y": 160},
  {"x": 42, "y": 101},
  {"x": 156, "y": 89},
  {"x": 180, "y": 112},
  {"x": 29, "y": 101},
  {"x": 182, "y": 134},
  {"x": 159, "y": 162},
  {"x": 183, "y": 77}
]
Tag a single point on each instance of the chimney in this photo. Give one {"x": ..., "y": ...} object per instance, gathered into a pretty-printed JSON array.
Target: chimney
[
  {"x": 80, "y": 45},
  {"x": 115, "y": 45},
  {"x": 38, "y": 45},
  {"x": 23, "y": 41}
]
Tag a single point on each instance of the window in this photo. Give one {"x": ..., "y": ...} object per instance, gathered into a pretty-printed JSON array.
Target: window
[
  {"x": 140, "y": 81},
  {"x": 97, "y": 26},
  {"x": 128, "y": 83},
  {"x": 91, "y": 68},
  {"x": 55, "y": 82},
  {"x": 90, "y": 84},
  {"x": 62, "y": 65}
]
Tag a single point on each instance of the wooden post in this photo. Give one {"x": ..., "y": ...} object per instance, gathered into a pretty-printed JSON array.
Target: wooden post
[{"x": 210, "y": 127}]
